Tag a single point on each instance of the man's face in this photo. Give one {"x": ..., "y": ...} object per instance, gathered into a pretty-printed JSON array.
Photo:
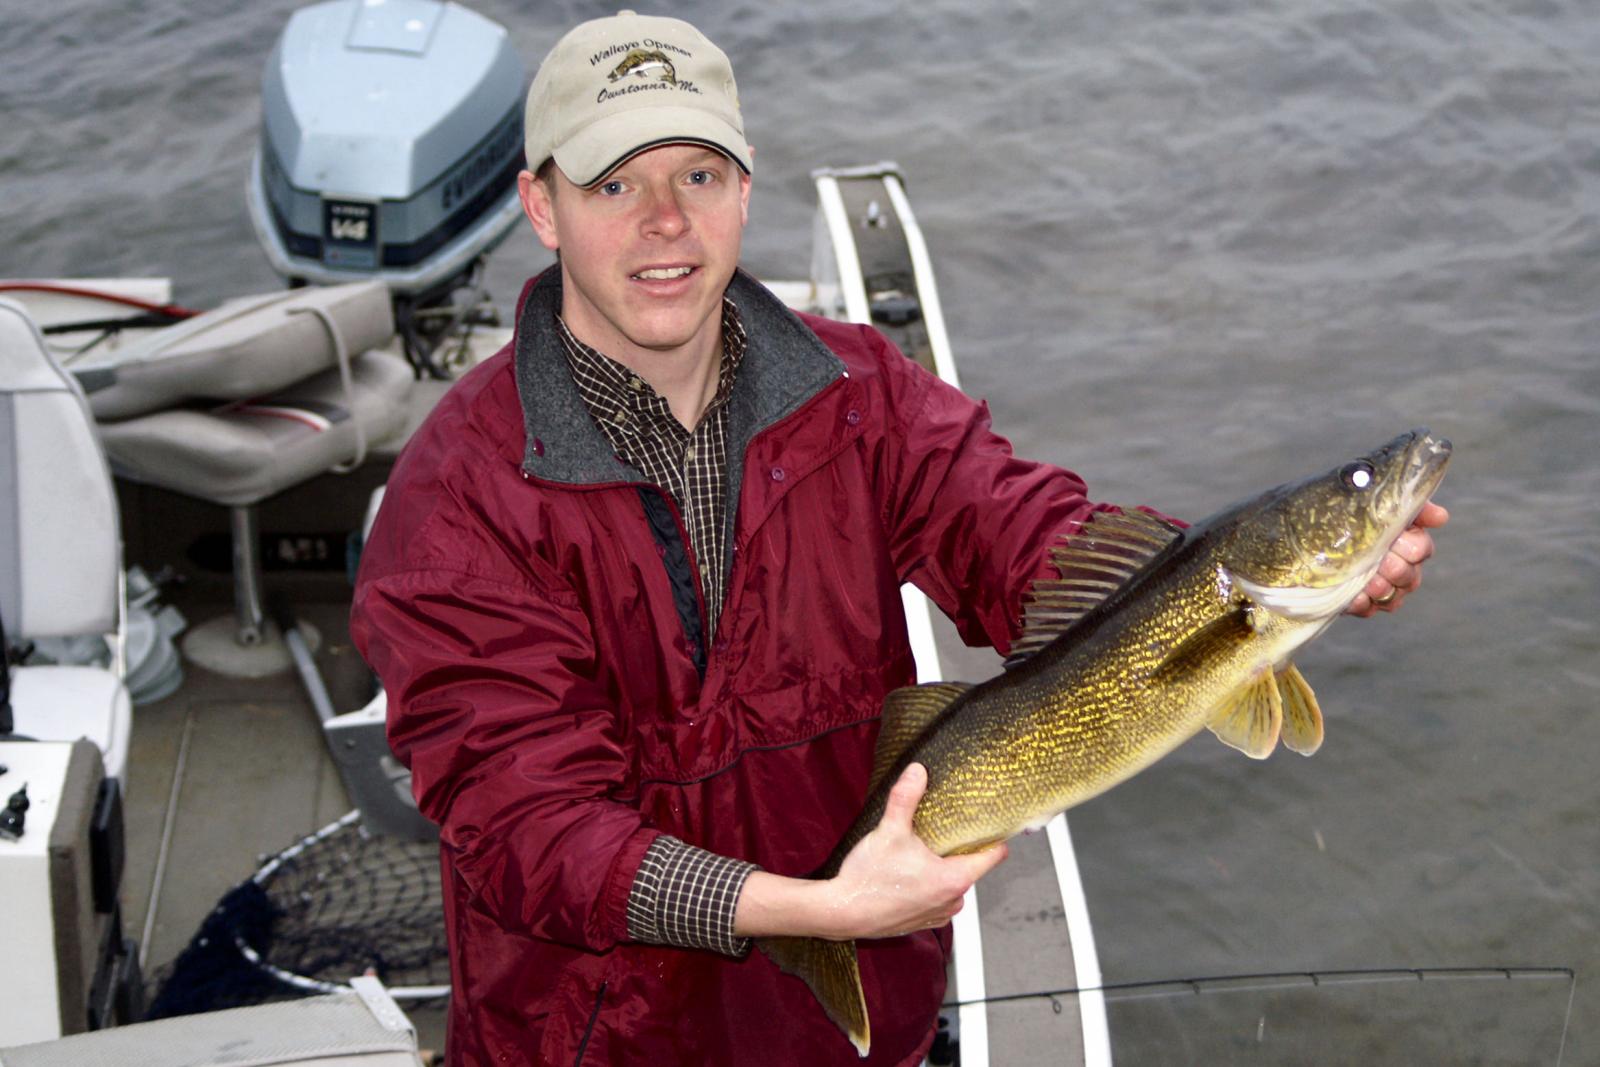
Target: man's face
[{"x": 647, "y": 252}]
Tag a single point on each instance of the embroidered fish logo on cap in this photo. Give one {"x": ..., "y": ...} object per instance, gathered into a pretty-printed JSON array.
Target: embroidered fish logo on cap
[{"x": 642, "y": 63}]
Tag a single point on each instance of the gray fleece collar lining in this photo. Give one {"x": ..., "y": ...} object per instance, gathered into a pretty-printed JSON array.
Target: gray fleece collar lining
[{"x": 784, "y": 366}]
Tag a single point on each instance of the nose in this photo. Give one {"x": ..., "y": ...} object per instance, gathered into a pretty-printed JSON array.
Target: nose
[{"x": 664, "y": 215}]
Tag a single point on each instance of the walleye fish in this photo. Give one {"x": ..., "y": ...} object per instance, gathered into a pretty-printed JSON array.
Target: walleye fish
[{"x": 1151, "y": 633}]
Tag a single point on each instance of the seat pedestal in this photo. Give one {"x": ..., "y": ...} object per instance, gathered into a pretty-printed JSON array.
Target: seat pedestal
[{"x": 215, "y": 645}]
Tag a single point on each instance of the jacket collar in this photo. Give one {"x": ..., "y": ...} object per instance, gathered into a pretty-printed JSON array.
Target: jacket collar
[{"x": 783, "y": 367}]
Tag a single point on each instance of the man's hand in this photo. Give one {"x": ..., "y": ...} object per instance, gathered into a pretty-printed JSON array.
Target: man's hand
[
  {"x": 1400, "y": 573},
  {"x": 891, "y": 883}
]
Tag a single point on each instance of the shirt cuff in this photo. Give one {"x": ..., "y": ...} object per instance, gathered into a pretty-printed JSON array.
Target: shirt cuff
[{"x": 686, "y": 897}]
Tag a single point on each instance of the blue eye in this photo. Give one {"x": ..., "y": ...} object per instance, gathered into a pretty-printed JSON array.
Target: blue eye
[
  {"x": 611, "y": 188},
  {"x": 701, "y": 177}
]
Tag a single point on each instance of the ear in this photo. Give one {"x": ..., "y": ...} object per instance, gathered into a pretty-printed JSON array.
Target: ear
[
  {"x": 744, "y": 193},
  {"x": 539, "y": 208}
]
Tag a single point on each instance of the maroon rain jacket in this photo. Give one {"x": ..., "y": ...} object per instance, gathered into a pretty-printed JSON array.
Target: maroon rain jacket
[{"x": 532, "y": 608}]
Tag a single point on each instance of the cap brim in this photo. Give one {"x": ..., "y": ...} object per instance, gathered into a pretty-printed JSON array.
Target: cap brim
[{"x": 606, "y": 144}]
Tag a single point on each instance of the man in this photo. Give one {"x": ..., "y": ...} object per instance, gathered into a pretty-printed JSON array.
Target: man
[{"x": 634, "y": 597}]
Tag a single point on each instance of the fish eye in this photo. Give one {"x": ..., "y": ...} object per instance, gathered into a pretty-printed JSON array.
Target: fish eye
[{"x": 1357, "y": 475}]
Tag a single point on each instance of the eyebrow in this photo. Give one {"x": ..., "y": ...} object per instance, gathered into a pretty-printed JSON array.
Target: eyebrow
[{"x": 706, "y": 153}]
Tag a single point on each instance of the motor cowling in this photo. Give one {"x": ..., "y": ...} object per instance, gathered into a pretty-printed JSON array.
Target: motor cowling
[{"x": 391, "y": 138}]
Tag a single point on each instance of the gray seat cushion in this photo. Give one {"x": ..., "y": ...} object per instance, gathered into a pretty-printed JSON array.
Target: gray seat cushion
[
  {"x": 244, "y": 348},
  {"x": 243, "y": 452}
]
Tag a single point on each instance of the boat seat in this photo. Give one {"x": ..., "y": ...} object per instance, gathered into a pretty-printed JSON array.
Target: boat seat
[
  {"x": 237, "y": 451},
  {"x": 247, "y": 347},
  {"x": 60, "y": 548},
  {"x": 242, "y": 452}
]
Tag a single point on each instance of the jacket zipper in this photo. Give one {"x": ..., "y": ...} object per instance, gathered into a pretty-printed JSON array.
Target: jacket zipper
[
  {"x": 588, "y": 1031},
  {"x": 691, "y": 560},
  {"x": 692, "y": 554}
]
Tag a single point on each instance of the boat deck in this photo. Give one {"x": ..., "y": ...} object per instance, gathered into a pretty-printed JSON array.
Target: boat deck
[{"x": 227, "y": 771}]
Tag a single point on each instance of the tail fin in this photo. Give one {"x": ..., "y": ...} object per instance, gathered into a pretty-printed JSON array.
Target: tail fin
[{"x": 829, "y": 968}]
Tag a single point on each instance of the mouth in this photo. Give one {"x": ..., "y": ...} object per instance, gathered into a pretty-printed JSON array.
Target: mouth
[
  {"x": 1425, "y": 464},
  {"x": 662, "y": 274}
]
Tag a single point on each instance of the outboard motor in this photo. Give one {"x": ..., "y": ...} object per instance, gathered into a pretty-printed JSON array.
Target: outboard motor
[{"x": 391, "y": 138}]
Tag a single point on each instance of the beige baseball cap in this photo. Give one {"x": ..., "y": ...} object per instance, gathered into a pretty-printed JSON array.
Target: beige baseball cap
[{"x": 614, "y": 87}]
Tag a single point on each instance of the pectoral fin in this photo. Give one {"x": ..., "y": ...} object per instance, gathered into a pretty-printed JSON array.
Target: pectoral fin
[
  {"x": 1212, "y": 643},
  {"x": 1251, "y": 718},
  {"x": 1302, "y": 718}
]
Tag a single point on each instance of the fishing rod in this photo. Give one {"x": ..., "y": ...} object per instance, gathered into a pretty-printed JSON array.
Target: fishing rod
[
  {"x": 1282, "y": 980},
  {"x": 1236, "y": 982}
]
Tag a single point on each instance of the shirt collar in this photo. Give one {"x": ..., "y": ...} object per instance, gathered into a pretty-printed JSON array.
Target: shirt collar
[{"x": 605, "y": 384}]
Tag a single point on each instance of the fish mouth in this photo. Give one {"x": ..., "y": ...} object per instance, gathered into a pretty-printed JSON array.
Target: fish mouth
[
  {"x": 1422, "y": 460},
  {"x": 1426, "y": 457}
]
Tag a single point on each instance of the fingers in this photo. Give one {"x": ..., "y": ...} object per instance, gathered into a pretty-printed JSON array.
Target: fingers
[
  {"x": 953, "y": 876},
  {"x": 902, "y": 806},
  {"x": 1400, "y": 571},
  {"x": 974, "y": 865},
  {"x": 1432, "y": 516},
  {"x": 905, "y": 796},
  {"x": 1402, "y": 566},
  {"x": 891, "y": 882},
  {"x": 1384, "y": 593},
  {"x": 1414, "y": 546},
  {"x": 1399, "y": 574}
]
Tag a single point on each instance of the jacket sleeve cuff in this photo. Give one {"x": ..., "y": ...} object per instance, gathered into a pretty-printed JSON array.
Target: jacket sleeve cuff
[
  {"x": 686, "y": 897},
  {"x": 608, "y": 924}
]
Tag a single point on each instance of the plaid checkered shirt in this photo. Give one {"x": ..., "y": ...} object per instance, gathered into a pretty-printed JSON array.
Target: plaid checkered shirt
[{"x": 682, "y": 895}]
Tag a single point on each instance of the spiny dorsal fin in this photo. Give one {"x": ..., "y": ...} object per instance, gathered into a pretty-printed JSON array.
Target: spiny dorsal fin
[
  {"x": 906, "y": 713},
  {"x": 1302, "y": 718},
  {"x": 1095, "y": 561},
  {"x": 1251, "y": 718}
]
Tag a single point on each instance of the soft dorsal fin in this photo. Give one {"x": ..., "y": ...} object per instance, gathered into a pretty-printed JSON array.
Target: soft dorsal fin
[
  {"x": 907, "y": 713},
  {"x": 1302, "y": 718},
  {"x": 1251, "y": 718},
  {"x": 1099, "y": 558}
]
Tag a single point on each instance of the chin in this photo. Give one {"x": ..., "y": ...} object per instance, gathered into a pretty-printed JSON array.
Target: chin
[
  {"x": 664, "y": 335},
  {"x": 661, "y": 342}
]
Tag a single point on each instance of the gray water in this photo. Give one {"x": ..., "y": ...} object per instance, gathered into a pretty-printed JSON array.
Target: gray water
[{"x": 1189, "y": 250}]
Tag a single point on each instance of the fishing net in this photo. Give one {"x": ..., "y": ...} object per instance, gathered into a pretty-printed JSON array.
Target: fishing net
[{"x": 339, "y": 903}]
